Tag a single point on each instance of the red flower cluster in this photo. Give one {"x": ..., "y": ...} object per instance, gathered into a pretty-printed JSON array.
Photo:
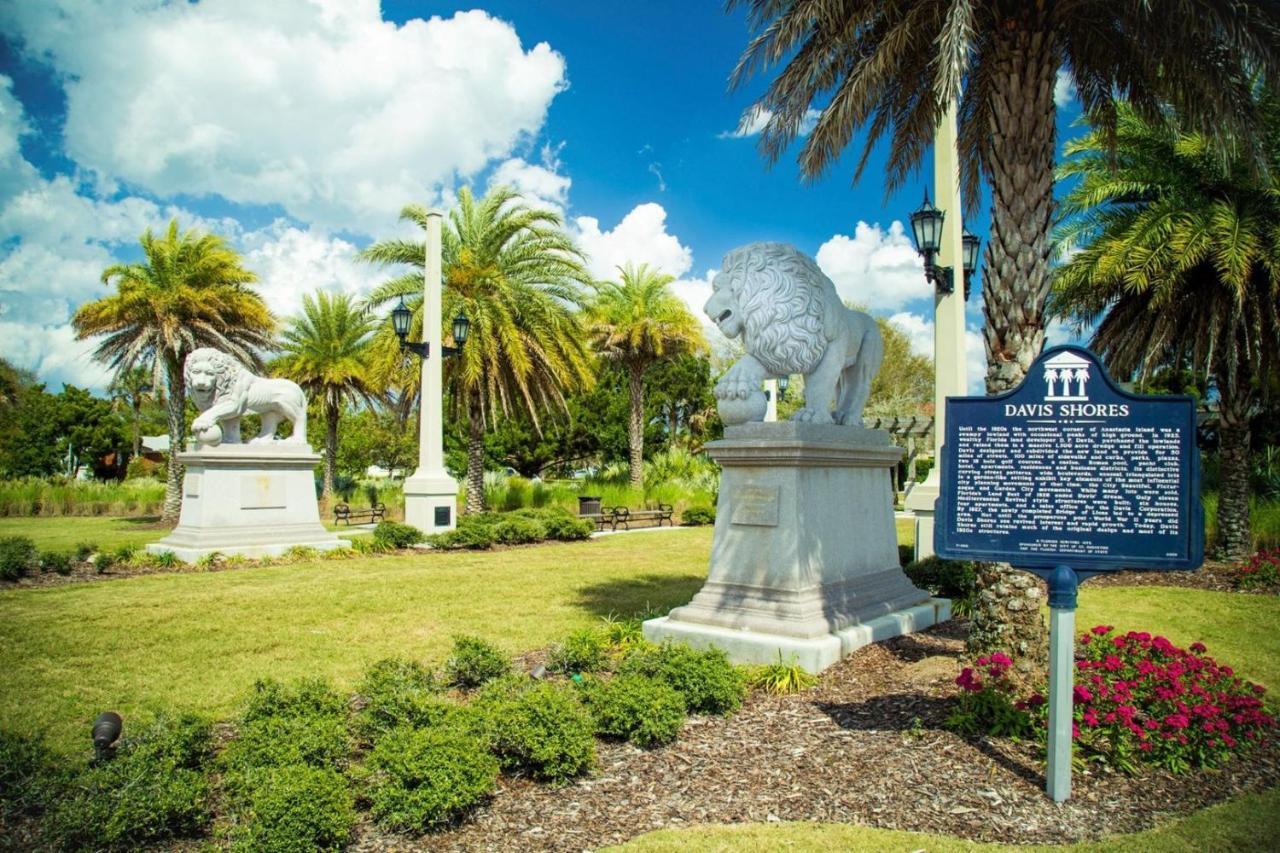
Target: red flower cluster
[
  {"x": 1141, "y": 696},
  {"x": 996, "y": 667},
  {"x": 1260, "y": 570}
]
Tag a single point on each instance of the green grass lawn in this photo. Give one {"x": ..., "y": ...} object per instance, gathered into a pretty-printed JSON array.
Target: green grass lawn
[{"x": 63, "y": 534}]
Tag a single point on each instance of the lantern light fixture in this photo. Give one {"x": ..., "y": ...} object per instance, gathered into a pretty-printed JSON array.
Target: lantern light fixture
[{"x": 401, "y": 316}]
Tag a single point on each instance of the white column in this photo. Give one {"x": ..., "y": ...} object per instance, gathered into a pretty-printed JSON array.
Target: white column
[
  {"x": 430, "y": 495},
  {"x": 771, "y": 391},
  {"x": 1062, "y": 636},
  {"x": 948, "y": 321}
]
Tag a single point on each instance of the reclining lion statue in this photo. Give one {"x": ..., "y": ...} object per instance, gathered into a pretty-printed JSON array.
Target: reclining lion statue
[
  {"x": 791, "y": 321},
  {"x": 225, "y": 391}
]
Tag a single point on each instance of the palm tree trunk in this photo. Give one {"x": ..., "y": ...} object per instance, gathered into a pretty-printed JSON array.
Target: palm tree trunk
[
  {"x": 331, "y": 415},
  {"x": 475, "y": 455},
  {"x": 635, "y": 381},
  {"x": 1235, "y": 539},
  {"x": 177, "y": 437},
  {"x": 137, "y": 427},
  {"x": 1006, "y": 614}
]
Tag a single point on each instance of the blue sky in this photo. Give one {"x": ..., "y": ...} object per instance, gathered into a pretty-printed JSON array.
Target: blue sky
[{"x": 298, "y": 128}]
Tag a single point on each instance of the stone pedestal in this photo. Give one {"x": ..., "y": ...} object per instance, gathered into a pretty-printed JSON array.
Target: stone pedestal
[
  {"x": 430, "y": 501},
  {"x": 805, "y": 555},
  {"x": 258, "y": 500}
]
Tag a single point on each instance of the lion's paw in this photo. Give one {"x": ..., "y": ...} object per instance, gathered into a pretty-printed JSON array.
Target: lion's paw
[
  {"x": 812, "y": 416},
  {"x": 732, "y": 388}
]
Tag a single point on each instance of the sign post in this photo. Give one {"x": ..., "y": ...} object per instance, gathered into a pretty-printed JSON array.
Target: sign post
[{"x": 1068, "y": 476}]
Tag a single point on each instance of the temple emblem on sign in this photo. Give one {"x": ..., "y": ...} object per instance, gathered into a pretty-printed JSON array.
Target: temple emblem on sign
[{"x": 1066, "y": 375}]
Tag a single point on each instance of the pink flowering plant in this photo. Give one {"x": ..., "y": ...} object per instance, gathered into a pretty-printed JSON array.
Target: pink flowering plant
[
  {"x": 986, "y": 704},
  {"x": 1141, "y": 698},
  {"x": 1261, "y": 571}
]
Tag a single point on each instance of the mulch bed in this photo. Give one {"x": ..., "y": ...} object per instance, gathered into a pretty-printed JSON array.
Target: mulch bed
[{"x": 865, "y": 746}]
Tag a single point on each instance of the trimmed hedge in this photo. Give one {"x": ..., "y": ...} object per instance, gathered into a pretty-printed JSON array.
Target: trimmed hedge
[
  {"x": 295, "y": 808},
  {"x": 474, "y": 662},
  {"x": 643, "y": 710},
  {"x": 706, "y": 680},
  {"x": 541, "y": 729},
  {"x": 399, "y": 692},
  {"x": 423, "y": 778}
]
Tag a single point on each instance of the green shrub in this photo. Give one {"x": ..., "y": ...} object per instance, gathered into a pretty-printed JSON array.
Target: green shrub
[
  {"x": 395, "y": 535},
  {"x": 103, "y": 561},
  {"x": 706, "y": 679},
  {"x": 152, "y": 790},
  {"x": 83, "y": 550},
  {"x": 781, "y": 677},
  {"x": 295, "y": 809},
  {"x": 516, "y": 495},
  {"x": 581, "y": 651},
  {"x": 301, "y": 554},
  {"x": 399, "y": 692},
  {"x": 210, "y": 560},
  {"x": 165, "y": 560},
  {"x": 124, "y": 553},
  {"x": 560, "y": 524},
  {"x": 642, "y": 710},
  {"x": 29, "y": 779},
  {"x": 698, "y": 515},
  {"x": 473, "y": 662},
  {"x": 906, "y": 555},
  {"x": 474, "y": 532},
  {"x": 542, "y": 729},
  {"x": 947, "y": 578},
  {"x": 18, "y": 557},
  {"x": 58, "y": 562},
  {"x": 314, "y": 740},
  {"x": 305, "y": 697},
  {"x": 519, "y": 531},
  {"x": 369, "y": 545},
  {"x": 422, "y": 778}
]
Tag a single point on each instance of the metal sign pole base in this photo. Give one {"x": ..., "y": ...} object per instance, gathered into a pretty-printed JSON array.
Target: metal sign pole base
[{"x": 1063, "y": 584}]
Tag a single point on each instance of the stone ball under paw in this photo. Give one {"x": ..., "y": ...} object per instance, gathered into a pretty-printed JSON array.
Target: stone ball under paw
[
  {"x": 737, "y": 411},
  {"x": 211, "y": 436}
]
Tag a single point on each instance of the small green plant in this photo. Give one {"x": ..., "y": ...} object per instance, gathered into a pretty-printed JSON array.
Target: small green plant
[
  {"x": 694, "y": 516},
  {"x": 370, "y": 494},
  {"x": 301, "y": 554},
  {"x": 18, "y": 557},
  {"x": 83, "y": 550},
  {"x": 542, "y": 729},
  {"x": 58, "y": 562},
  {"x": 124, "y": 554},
  {"x": 782, "y": 677},
  {"x": 622, "y": 634},
  {"x": 394, "y": 535},
  {"x": 986, "y": 705},
  {"x": 307, "y": 696},
  {"x": 103, "y": 561},
  {"x": 397, "y": 693},
  {"x": 424, "y": 778},
  {"x": 473, "y": 662},
  {"x": 1261, "y": 571},
  {"x": 369, "y": 545},
  {"x": 165, "y": 560},
  {"x": 706, "y": 680},
  {"x": 209, "y": 561},
  {"x": 582, "y": 651},
  {"x": 642, "y": 710},
  {"x": 295, "y": 808}
]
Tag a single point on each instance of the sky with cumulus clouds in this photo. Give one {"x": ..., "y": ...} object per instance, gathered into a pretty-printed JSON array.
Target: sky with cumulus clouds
[{"x": 298, "y": 129}]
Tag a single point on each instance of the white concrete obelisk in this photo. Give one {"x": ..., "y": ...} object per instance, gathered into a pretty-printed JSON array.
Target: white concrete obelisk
[
  {"x": 948, "y": 322},
  {"x": 431, "y": 495}
]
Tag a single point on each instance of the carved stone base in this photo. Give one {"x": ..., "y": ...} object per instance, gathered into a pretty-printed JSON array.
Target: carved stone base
[
  {"x": 805, "y": 547},
  {"x": 256, "y": 500}
]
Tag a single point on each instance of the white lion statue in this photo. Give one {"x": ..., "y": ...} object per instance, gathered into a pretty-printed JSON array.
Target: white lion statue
[
  {"x": 225, "y": 391},
  {"x": 791, "y": 321}
]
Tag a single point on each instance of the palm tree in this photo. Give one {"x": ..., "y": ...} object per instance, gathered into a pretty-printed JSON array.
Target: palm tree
[
  {"x": 1177, "y": 252},
  {"x": 893, "y": 67},
  {"x": 635, "y": 322},
  {"x": 326, "y": 351},
  {"x": 133, "y": 388},
  {"x": 518, "y": 278},
  {"x": 190, "y": 290}
]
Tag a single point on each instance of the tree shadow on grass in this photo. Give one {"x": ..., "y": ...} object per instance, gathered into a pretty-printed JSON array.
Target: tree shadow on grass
[
  {"x": 142, "y": 520},
  {"x": 641, "y": 594},
  {"x": 908, "y": 712}
]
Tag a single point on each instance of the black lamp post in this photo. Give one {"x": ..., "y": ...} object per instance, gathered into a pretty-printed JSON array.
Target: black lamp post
[
  {"x": 783, "y": 382},
  {"x": 971, "y": 243},
  {"x": 400, "y": 318},
  {"x": 926, "y": 227}
]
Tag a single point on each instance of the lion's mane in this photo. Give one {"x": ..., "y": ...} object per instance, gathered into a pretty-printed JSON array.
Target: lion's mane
[
  {"x": 226, "y": 370},
  {"x": 779, "y": 293}
]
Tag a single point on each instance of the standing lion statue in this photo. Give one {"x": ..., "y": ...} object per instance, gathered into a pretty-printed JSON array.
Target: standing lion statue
[
  {"x": 225, "y": 391},
  {"x": 791, "y": 321}
]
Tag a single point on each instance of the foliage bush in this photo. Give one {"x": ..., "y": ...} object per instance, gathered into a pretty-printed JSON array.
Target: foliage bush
[
  {"x": 84, "y": 550},
  {"x": 29, "y": 778},
  {"x": 369, "y": 545},
  {"x": 395, "y": 535},
  {"x": 1261, "y": 571},
  {"x": 399, "y": 692},
  {"x": 560, "y": 524},
  {"x": 987, "y": 705},
  {"x": 151, "y": 791},
  {"x": 954, "y": 579},
  {"x": 517, "y": 530},
  {"x": 1140, "y": 698},
  {"x": 305, "y": 697},
  {"x": 643, "y": 710},
  {"x": 542, "y": 729},
  {"x": 58, "y": 562},
  {"x": 284, "y": 725},
  {"x": 623, "y": 634},
  {"x": 18, "y": 557},
  {"x": 698, "y": 515},
  {"x": 706, "y": 680},
  {"x": 295, "y": 808},
  {"x": 474, "y": 532},
  {"x": 423, "y": 778},
  {"x": 473, "y": 662},
  {"x": 582, "y": 651},
  {"x": 299, "y": 554}
]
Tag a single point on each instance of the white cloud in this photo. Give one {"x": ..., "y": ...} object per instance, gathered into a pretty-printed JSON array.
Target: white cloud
[
  {"x": 919, "y": 331},
  {"x": 1064, "y": 90},
  {"x": 640, "y": 238},
  {"x": 540, "y": 186},
  {"x": 753, "y": 121},
  {"x": 875, "y": 268},
  {"x": 293, "y": 261},
  {"x": 319, "y": 106},
  {"x": 54, "y": 354}
]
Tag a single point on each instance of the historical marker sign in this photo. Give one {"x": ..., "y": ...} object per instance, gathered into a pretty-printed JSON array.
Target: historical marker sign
[{"x": 1067, "y": 469}]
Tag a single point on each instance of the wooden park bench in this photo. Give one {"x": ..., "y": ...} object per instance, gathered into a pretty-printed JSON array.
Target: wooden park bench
[
  {"x": 342, "y": 512},
  {"x": 624, "y": 516}
]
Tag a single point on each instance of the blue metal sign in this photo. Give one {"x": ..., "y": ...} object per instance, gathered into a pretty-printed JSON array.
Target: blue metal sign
[{"x": 1067, "y": 469}]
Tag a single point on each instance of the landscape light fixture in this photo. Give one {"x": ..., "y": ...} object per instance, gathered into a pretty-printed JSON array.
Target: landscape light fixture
[
  {"x": 971, "y": 243},
  {"x": 106, "y": 734},
  {"x": 926, "y": 227},
  {"x": 783, "y": 382},
  {"x": 400, "y": 319}
]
